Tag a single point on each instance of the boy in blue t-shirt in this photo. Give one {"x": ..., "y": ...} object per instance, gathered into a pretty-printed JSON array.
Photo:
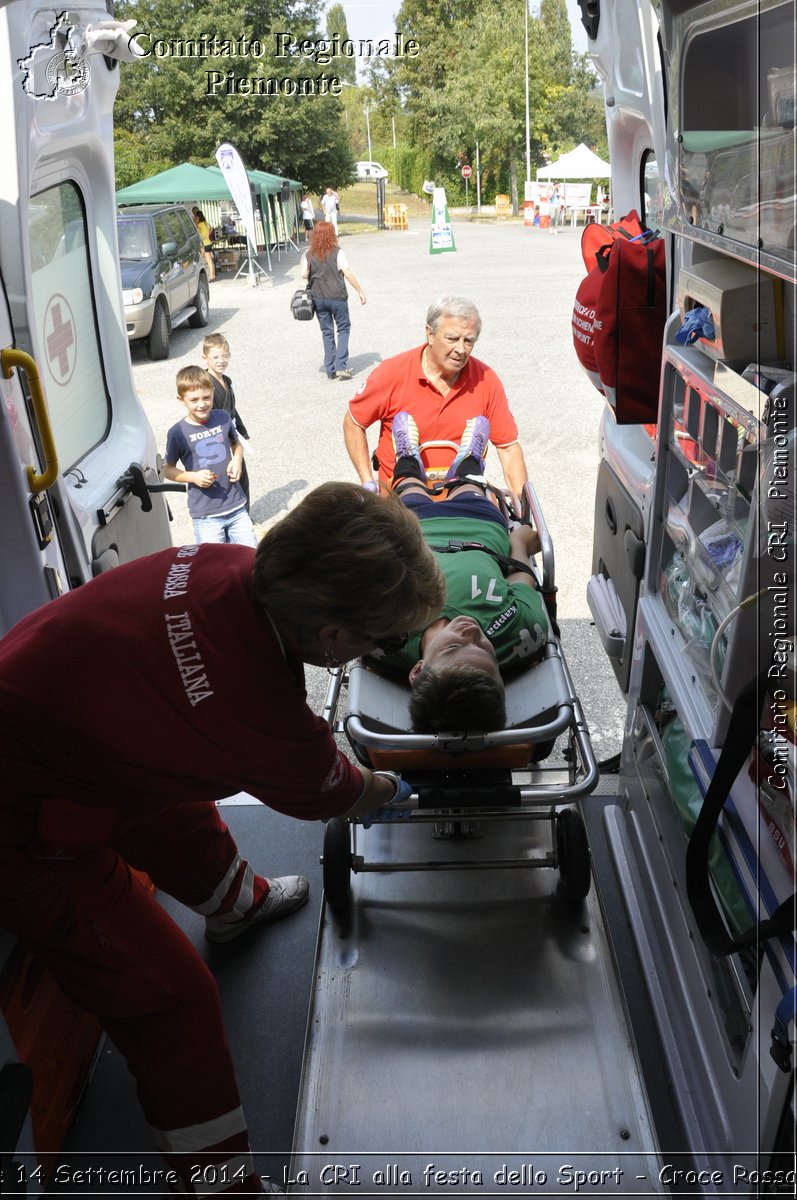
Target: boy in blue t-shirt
[{"x": 207, "y": 445}]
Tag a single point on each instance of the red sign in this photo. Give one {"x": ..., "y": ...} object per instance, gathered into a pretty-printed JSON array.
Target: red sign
[{"x": 467, "y": 171}]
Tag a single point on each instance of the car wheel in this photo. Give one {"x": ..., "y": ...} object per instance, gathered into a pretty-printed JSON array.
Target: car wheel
[
  {"x": 159, "y": 335},
  {"x": 202, "y": 304}
]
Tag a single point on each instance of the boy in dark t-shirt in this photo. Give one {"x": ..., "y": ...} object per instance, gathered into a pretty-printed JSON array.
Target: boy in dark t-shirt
[
  {"x": 207, "y": 445},
  {"x": 216, "y": 356}
]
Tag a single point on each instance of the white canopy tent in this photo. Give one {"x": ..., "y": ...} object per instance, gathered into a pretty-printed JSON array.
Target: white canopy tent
[{"x": 580, "y": 163}]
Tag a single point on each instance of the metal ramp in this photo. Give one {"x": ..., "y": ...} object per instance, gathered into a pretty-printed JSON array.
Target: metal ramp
[{"x": 471, "y": 1025}]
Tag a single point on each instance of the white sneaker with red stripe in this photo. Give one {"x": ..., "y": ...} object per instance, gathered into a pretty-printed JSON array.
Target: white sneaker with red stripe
[{"x": 285, "y": 894}]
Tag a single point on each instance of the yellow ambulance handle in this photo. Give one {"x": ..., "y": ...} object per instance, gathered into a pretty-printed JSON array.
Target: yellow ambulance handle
[{"x": 10, "y": 358}]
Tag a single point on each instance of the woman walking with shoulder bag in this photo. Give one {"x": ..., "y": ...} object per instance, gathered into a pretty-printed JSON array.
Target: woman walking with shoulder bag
[{"x": 326, "y": 269}]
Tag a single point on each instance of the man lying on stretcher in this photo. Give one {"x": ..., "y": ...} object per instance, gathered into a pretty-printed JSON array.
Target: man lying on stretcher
[{"x": 491, "y": 620}]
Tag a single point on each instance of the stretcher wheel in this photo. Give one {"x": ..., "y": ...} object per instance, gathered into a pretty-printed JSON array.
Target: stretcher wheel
[
  {"x": 337, "y": 872},
  {"x": 572, "y": 850}
]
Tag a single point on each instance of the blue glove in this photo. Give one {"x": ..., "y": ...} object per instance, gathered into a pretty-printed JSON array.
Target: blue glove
[
  {"x": 697, "y": 323},
  {"x": 394, "y": 808},
  {"x": 371, "y": 486}
]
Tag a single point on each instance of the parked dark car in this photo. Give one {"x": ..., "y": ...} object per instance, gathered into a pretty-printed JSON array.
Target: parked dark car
[{"x": 164, "y": 274}]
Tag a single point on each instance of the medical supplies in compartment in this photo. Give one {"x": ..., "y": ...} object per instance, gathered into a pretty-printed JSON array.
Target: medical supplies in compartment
[{"x": 711, "y": 453}]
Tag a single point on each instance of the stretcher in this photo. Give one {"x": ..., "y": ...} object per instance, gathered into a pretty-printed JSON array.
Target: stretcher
[
  {"x": 533, "y": 769},
  {"x": 453, "y": 1008}
]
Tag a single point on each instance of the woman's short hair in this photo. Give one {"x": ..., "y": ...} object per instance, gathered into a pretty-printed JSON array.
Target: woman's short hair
[
  {"x": 453, "y": 306},
  {"x": 348, "y": 557},
  {"x": 323, "y": 240},
  {"x": 456, "y": 699}
]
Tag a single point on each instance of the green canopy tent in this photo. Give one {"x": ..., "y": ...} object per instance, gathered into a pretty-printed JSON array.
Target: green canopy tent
[
  {"x": 186, "y": 183},
  {"x": 272, "y": 206},
  {"x": 191, "y": 183},
  {"x": 272, "y": 186},
  {"x": 178, "y": 184}
]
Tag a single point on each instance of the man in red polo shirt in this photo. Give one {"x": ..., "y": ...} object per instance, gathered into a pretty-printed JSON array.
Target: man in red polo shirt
[{"x": 443, "y": 387}]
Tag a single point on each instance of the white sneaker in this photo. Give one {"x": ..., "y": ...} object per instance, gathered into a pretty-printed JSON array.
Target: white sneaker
[{"x": 285, "y": 894}]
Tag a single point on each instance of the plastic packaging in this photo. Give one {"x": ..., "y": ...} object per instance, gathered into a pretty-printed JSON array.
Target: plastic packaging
[
  {"x": 693, "y": 617},
  {"x": 723, "y": 545}
]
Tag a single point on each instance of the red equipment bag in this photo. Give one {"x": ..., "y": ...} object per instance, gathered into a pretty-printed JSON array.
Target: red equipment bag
[
  {"x": 584, "y": 323},
  {"x": 619, "y": 315},
  {"x": 630, "y": 313},
  {"x": 596, "y": 236}
]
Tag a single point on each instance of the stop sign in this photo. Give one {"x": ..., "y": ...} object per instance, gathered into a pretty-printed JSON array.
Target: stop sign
[{"x": 467, "y": 171}]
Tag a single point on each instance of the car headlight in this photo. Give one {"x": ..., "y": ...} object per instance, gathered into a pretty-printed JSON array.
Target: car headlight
[{"x": 132, "y": 296}]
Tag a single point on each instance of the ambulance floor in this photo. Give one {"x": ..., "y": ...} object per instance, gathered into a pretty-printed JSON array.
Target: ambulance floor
[{"x": 265, "y": 981}]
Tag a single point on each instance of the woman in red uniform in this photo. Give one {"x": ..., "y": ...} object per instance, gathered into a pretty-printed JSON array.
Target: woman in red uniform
[{"x": 172, "y": 682}]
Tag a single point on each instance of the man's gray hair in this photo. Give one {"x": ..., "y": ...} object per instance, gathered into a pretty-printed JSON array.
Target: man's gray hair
[{"x": 453, "y": 306}]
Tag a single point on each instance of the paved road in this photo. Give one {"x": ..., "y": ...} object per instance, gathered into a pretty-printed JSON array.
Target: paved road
[{"x": 523, "y": 281}]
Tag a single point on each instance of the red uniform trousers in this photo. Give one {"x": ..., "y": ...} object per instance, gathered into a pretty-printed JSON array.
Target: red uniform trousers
[{"x": 116, "y": 953}]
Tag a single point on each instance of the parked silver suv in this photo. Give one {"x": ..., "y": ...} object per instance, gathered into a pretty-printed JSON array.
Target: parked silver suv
[{"x": 164, "y": 274}]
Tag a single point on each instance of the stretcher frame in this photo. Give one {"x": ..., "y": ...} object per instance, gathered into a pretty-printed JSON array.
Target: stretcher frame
[{"x": 461, "y": 779}]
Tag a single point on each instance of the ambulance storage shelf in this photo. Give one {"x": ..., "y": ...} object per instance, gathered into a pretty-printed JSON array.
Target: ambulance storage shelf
[
  {"x": 704, "y": 566},
  {"x": 701, "y": 565}
]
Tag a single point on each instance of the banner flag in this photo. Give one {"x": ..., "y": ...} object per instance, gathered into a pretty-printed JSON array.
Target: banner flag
[
  {"x": 237, "y": 181},
  {"x": 442, "y": 234}
]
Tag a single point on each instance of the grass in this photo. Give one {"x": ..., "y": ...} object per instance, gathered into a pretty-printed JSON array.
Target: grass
[{"x": 360, "y": 198}]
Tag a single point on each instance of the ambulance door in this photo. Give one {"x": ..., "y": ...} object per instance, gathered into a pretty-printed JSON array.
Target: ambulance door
[
  {"x": 77, "y": 450},
  {"x": 625, "y": 51},
  {"x": 34, "y": 569}
]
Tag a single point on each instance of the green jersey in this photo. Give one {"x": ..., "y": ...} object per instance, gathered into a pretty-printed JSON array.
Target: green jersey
[{"x": 511, "y": 615}]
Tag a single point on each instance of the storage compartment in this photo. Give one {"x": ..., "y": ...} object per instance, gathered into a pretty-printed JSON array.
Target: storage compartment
[
  {"x": 618, "y": 555},
  {"x": 710, "y": 454},
  {"x": 742, "y": 307},
  {"x": 734, "y": 113},
  {"x": 661, "y": 745}
]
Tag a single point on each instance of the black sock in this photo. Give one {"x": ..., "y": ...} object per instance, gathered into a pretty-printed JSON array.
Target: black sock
[
  {"x": 471, "y": 465},
  {"x": 407, "y": 467}
]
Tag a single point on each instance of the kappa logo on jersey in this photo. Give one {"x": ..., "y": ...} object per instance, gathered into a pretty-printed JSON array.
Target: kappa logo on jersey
[{"x": 58, "y": 67}]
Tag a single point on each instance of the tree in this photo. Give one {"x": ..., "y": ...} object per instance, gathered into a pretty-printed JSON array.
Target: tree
[
  {"x": 194, "y": 93},
  {"x": 468, "y": 86},
  {"x": 346, "y": 68}
]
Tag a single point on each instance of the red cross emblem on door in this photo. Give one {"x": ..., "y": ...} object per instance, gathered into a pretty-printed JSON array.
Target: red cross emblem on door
[{"x": 60, "y": 345}]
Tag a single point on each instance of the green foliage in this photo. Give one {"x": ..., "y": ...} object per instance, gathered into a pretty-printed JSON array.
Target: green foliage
[
  {"x": 134, "y": 158},
  {"x": 164, "y": 101},
  {"x": 345, "y": 68},
  {"x": 407, "y": 166},
  {"x": 467, "y": 86}
]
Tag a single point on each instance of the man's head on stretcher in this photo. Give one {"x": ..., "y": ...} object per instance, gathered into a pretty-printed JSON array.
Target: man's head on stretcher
[
  {"x": 493, "y": 617},
  {"x": 458, "y": 681}
]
